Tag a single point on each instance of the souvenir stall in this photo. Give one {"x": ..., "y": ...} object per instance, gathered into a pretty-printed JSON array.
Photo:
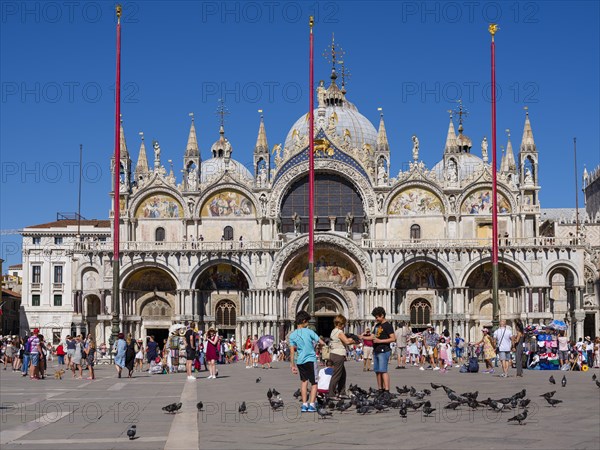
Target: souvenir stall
[{"x": 542, "y": 346}]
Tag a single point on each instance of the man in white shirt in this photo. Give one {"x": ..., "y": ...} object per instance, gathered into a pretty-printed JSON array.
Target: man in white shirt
[{"x": 503, "y": 338}]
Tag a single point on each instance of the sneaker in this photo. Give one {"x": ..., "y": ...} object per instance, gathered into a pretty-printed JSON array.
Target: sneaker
[
  {"x": 191, "y": 378},
  {"x": 311, "y": 408},
  {"x": 421, "y": 368},
  {"x": 304, "y": 408},
  {"x": 491, "y": 371},
  {"x": 436, "y": 368}
]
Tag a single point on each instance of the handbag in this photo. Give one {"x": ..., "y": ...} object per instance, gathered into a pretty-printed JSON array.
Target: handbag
[{"x": 326, "y": 352}]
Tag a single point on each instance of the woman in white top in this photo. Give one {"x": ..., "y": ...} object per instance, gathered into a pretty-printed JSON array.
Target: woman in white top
[{"x": 338, "y": 356}]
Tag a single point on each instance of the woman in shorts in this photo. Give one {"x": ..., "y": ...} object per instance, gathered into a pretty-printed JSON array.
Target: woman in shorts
[
  {"x": 139, "y": 356},
  {"x": 90, "y": 357}
]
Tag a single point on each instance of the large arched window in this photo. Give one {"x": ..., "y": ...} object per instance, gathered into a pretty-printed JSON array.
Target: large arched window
[
  {"x": 420, "y": 312},
  {"x": 159, "y": 234},
  {"x": 225, "y": 313},
  {"x": 415, "y": 232},
  {"x": 335, "y": 197}
]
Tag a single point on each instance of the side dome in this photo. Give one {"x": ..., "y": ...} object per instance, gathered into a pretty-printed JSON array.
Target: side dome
[
  {"x": 215, "y": 167},
  {"x": 466, "y": 163}
]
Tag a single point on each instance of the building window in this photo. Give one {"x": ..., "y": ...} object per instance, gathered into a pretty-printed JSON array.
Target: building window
[
  {"x": 56, "y": 332},
  {"x": 589, "y": 287},
  {"x": 225, "y": 313},
  {"x": 57, "y": 300},
  {"x": 420, "y": 312},
  {"x": 58, "y": 274},
  {"x": 228, "y": 233},
  {"x": 159, "y": 234},
  {"x": 415, "y": 232},
  {"x": 37, "y": 274},
  {"x": 35, "y": 300},
  {"x": 58, "y": 240},
  {"x": 37, "y": 240}
]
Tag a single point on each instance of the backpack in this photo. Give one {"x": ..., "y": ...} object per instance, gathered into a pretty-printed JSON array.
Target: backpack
[
  {"x": 461, "y": 343},
  {"x": 28, "y": 346},
  {"x": 473, "y": 366}
]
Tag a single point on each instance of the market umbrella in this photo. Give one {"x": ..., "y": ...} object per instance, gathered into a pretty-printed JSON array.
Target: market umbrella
[
  {"x": 558, "y": 325},
  {"x": 265, "y": 342}
]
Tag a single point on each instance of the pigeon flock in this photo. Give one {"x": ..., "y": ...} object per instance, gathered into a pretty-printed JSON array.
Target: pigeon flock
[{"x": 374, "y": 401}]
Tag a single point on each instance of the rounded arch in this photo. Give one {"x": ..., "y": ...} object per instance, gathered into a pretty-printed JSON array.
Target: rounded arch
[
  {"x": 204, "y": 267},
  {"x": 422, "y": 275},
  {"x": 227, "y": 187},
  {"x": 564, "y": 265},
  {"x": 150, "y": 278},
  {"x": 472, "y": 189},
  {"x": 145, "y": 194},
  {"x": 348, "y": 306},
  {"x": 156, "y": 306},
  {"x": 225, "y": 313},
  {"x": 424, "y": 185},
  {"x": 420, "y": 312},
  {"x": 440, "y": 265},
  {"x": 345, "y": 246},
  {"x": 92, "y": 305},
  {"x": 480, "y": 277},
  {"x": 284, "y": 183},
  {"x": 131, "y": 267},
  {"x": 514, "y": 265},
  {"x": 90, "y": 278}
]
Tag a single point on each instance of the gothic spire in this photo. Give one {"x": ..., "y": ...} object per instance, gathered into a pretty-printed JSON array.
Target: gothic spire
[
  {"x": 451, "y": 144},
  {"x": 510, "y": 164},
  {"x": 261, "y": 141},
  {"x": 141, "y": 168},
  {"x": 124, "y": 153},
  {"x": 192, "y": 149},
  {"x": 382, "y": 140},
  {"x": 527, "y": 142}
]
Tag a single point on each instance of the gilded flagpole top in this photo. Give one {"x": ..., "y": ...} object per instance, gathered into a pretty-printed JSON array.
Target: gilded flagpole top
[
  {"x": 311, "y": 21},
  {"x": 119, "y": 9},
  {"x": 493, "y": 28}
]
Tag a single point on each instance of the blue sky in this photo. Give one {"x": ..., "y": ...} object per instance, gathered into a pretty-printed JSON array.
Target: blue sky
[{"x": 413, "y": 59}]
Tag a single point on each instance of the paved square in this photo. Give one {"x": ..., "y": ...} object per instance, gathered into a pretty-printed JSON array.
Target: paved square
[{"x": 82, "y": 414}]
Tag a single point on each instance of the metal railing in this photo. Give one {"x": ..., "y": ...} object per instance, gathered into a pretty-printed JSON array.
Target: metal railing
[
  {"x": 471, "y": 243},
  {"x": 199, "y": 246}
]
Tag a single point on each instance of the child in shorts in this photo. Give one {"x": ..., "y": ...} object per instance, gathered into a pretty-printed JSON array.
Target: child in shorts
[
  {"x": 324, "y": 378},
  {"x": 303, "y": 359}
]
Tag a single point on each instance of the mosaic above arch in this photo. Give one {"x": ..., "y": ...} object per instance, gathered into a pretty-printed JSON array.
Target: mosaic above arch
[
  {"x": 330, "y": 267},
  {"x": 480, "y": 202},
  {"x": 159, "y": 206},
  {"x": 228, "y": 204},
  {"x": 415, "y": 201}
]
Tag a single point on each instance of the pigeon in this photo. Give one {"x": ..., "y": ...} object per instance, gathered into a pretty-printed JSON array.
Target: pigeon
[
  {"x": 258, "y": 379},
  {"x": 172, "y": 408},
  {"x": 427, "y": 410},
  {"x": 298, "y": 393},
  {"x": 519, "y": 417},
  {"x": 598, "y": 383},
  {"x": 521, "y": 394},
  {"x": 594, "y": 377},
  {"x": 131, "y": 432},
  {"x": 364, "y": 410},
  {"x": 276, "y": 404},
  {"x": 379, "y": 407},
  {"x": 199, "y": 406},
  {"x": 344, "y": 407},
  {"x": 523, "y": 403},
  {"x": 553, "y": 401},
  {"x": 498, "y": 407},
  {"x": 505, "y": 401},
  {"x": 427, "y": 391},
  {"x": 447, "y": 389},
  {"x": 242, "y": 408},
  {"x": 269, "y": 394},
  {"x": 552, "y": 380},
  {"x": 402, "y": 413},
  {"x": 435, "y": 386},
  {"x": 563, "y": 382},
  {"x": 323, "y": 414},
  {"x": 548, "y": 394},
  {"x": 452, "y": 405},
  {"x": 473, "y": 404},
  {"x": 277, "y": 394}
]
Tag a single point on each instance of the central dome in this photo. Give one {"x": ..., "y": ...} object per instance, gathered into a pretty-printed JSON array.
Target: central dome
[{"x": 334, "y": 106}]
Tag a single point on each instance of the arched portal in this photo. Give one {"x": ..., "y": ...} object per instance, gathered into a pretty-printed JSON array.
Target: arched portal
[
  {"x": 91, "y": 311},
  {"x": 327, "y": 306},
  {"x": 422, "y": 281},
  {"x": 420, "y": 313},
  {"x": 149, "y": 298}
]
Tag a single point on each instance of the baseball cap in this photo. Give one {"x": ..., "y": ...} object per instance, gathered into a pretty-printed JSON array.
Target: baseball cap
[{"x": 36, "y": 330}]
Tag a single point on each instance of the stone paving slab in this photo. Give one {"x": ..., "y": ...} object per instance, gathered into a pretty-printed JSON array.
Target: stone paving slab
[{"x": 79, "y": 414}]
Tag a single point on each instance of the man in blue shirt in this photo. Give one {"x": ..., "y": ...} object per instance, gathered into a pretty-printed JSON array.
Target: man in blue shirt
[{"x": 302, "y": 341}]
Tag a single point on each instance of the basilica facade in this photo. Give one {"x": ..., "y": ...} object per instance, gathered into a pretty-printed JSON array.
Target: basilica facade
[{"x": 226, "y": 246}]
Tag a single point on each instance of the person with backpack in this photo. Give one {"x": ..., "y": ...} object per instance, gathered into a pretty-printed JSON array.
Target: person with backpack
[
  {"x": 459, "y": 348},
  {"x": 26, "y": 355},
  {"x": 35, "y": 352}
]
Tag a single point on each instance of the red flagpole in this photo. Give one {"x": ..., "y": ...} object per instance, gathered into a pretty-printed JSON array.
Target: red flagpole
[
  {"x": 311, "y": 177},
  {"x": 493, "y": 28},
  {"x": 116, "y": 205}
]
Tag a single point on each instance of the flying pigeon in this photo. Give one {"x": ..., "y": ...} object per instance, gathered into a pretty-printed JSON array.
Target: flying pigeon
[
  {"x": 277, "y": 394},
  {"x": 199, "y": 406},
  {"x": 552, "y": 380},
  {"x": 258, "y": 379},
  {"x": 269, "y": 394},
  {"x": 131, "y": 432},
  {"x": 519, "y": 417},
  {"x": 563, "y": 382}
]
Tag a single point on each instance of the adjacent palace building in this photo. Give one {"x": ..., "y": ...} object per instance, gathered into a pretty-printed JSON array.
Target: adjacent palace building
[{"x": 227, "y": 247}]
